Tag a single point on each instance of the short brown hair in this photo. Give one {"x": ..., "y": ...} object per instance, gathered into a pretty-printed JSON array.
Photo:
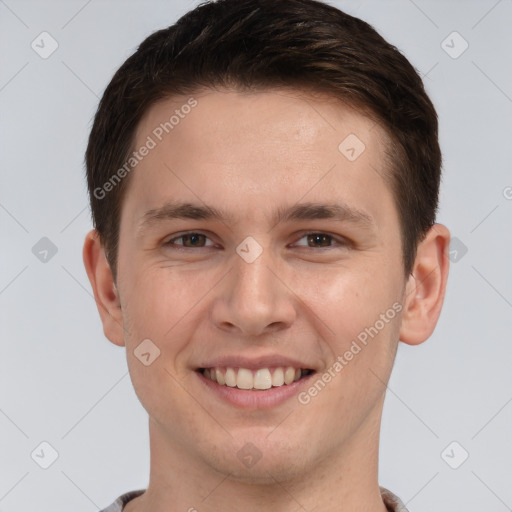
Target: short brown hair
[{"x": 261, "y": 45}]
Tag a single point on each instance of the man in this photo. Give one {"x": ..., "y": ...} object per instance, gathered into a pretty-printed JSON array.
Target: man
[{"x": 264, "y": 181}]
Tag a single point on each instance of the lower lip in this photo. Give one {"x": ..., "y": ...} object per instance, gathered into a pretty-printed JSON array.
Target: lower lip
[{"x": 255, "y": 399}]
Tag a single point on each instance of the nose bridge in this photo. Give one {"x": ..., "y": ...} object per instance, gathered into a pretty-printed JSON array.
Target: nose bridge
[
  {"x": 254, "y": 299},
  {"x": 253, "y": 287},
  {"x": 253, "y": 279}
]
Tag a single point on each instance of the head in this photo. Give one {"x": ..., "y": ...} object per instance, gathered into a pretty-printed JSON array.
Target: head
[
  {"x": 241, "y": 111},
  {"x": 313, "y": 47}
]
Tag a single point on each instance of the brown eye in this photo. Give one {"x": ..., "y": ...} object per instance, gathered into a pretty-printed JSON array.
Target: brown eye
[
  {"x": 321, "y": 239},
  {"x": 190, "y": 240}
]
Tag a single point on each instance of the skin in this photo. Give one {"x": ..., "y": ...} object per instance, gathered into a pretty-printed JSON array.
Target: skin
[{"x": 249, "y": 154}]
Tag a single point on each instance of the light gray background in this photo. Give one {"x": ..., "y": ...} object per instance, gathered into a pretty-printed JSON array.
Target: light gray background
[{"x": 62, "y": 382}]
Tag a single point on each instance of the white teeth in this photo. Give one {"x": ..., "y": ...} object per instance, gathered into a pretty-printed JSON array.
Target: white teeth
[
  {"x": 244, "y": 379},
  {"x": 278, "y": 377},
  {"x": 289, "y": 375},
  {"x": 219, "y": 377},
  {"x": 230, "y": 378},
  {"x": 261, "y": 379}
]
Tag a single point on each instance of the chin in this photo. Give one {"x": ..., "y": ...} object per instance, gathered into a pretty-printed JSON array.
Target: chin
[
  {"x": 263, "y": 472},
  {"x": 260, "y": 462}
]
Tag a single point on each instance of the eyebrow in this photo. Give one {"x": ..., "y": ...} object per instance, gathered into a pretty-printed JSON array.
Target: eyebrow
[{"x": 303, "y": 211}]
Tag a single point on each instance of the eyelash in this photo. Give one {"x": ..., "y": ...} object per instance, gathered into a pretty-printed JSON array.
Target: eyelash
[{"x": 340, "y": 241}]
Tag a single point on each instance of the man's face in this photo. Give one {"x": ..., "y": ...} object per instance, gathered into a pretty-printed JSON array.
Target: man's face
[{"x": 257, "y": 291}]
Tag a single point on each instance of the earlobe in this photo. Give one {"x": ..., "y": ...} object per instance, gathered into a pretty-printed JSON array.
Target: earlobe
[
  {"x": 104, "y": 288},
  {"x": 426, "y": 287}
]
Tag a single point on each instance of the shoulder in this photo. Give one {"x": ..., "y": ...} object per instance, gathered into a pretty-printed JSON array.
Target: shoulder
[
  {"x": 119, "y": 504},
  {"x": 392, "y": 502}
]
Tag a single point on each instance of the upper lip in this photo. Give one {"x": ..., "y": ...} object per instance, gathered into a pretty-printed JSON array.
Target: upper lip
[{"x": 253, "y": 363}]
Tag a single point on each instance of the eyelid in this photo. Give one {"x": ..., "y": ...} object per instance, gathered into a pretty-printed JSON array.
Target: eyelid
[
  {"x": 184, "y": 233},
  {"x": 340, "y": 240}
]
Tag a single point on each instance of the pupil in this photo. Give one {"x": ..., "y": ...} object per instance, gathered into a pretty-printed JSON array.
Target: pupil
[
  {"x": 194, "y": 239},
  {"x": 317, "y": 239}
]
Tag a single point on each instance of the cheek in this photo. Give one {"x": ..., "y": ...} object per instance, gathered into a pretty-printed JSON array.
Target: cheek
[
  {"x": 157, "y": 294},
  {"x": 359, "y": 317},
  {"x": 161, "y": 302},
  {"x": 347, "y": 300}
]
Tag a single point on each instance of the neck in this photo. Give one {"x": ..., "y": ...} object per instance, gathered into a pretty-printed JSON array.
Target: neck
[{"x": 343, "y": 482}]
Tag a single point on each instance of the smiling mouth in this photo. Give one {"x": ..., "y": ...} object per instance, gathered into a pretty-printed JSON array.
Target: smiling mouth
[{"x": 255, "y": 380}]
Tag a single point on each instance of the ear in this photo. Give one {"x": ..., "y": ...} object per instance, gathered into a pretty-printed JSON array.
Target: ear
[
  {"x": 104, "y": 288},
  {"x": 426, "y": 287}
]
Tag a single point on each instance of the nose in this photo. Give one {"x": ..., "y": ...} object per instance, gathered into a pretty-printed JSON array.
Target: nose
[{"x": 254, "y": 298}]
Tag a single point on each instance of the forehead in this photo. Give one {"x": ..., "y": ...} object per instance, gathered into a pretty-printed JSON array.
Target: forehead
[
  {"x": 263, "y": 118},
  {"x": 257, "y": 149}
]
